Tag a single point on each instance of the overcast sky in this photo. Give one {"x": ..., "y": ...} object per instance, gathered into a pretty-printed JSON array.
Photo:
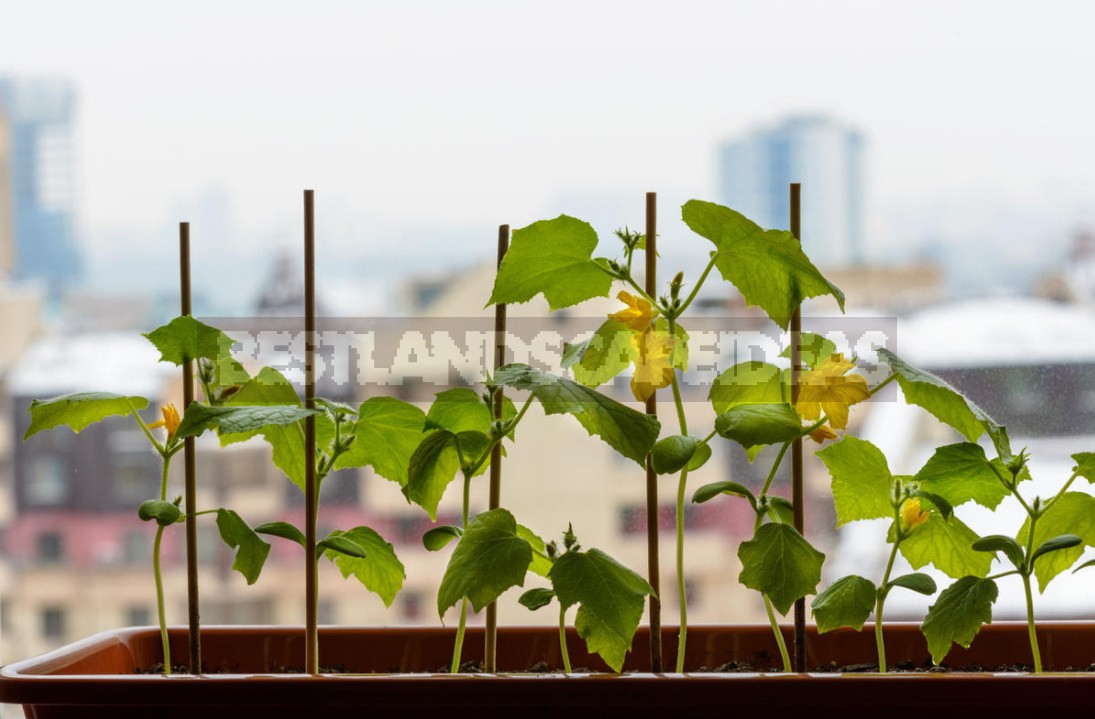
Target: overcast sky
[{"x": 480, "y": 112}]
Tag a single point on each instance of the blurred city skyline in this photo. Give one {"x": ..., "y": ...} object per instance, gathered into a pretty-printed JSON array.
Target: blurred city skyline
[{"x": 424, "y": 126}]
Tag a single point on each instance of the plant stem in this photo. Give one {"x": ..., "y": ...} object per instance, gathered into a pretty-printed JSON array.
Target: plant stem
[
  {"x": 1030, "y": 625},
  {"x": 699, "y": 284},
  {"x": 459, "y": 647},
  {"x": 563, "y": 639},
  {"x": 880, "y": 601},
  {"x": 681, "y": 595},
  {"x": 772, "y": 475},
  {"x": 147, "y": 432},
  {"x": 874, "y": 390},
  {"x": 682, "y": 486},
  {"x": 779, "y": 635},
  {"x": 1025, "y": 574},
  {"x": 160, "y": 600}
]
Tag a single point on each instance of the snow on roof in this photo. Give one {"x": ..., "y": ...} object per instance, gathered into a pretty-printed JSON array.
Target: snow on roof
[
  {"x": 109, "y": 362},
  {"x": 996, "y": 332}
]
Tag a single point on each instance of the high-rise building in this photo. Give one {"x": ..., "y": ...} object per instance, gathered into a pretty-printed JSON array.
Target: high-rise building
[
  {"x": 826, "y": 156},
  {"x": 7, "y": 221},
  {"x": 39, "y": 117}
]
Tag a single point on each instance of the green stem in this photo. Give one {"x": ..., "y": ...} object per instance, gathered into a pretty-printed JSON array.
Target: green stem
[
  {"x": 1027, "y": 570},
  {"x": 874, "y": 390},
  {"x": 163, "y": 478},
  {"x": 681, "y": 596},
  {"x": 772, "y": 475},
  {"x": 1030, "y": 624},
  {"x": 880, "y": 601},
  {"x": 158, "y": 574},
  {"x": 1057, "y": 496},
  {"x": 144, "y": 428},
  {"x": 563, "y": 639},
  {"x": 778, "y": 634},
  {"x": 459, "y": 648},
  {"x": 699, "y": 284}
]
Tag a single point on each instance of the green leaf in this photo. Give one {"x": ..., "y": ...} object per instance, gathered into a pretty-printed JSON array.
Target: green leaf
[
  {"x": 572, "y": 352},
  {"x": 552, "y": 258},
  {"x": 861, "y": 479},
  {"x": 338, "y": 543},
  {"x": 710, "y": 491},
  {"x": 958, "y": 614},
  {"x": 756, "y": 424},
  {"x": 459, "y": 410},
  {"x": 847, "y": 602},
  {"x": 779, "y": 509},
  {"x": 673, "y": 453},
  {"x": 629, "y": 432},
  {"x": 1056, "y": 544},
  {"x": 490, "y": 558},
  {"x": 439, "y": 537},
  {"x": 283, "y": 530},
  {"x": 471, "y": 446},
  {"x": 768, "y": 267},
  {"x": 536, "y": 598},
  {"x": 948, "y": 544},
  {"x": 270, "y": 388},
  {"x": 380, "y": 571},
  {"x": 942, "y": 505},
  {"x": 610, "y": 598},
  {"x": 237, "y": 419},
  {"x": 781, "y": 564},
  {"x": 432, "y": 467},
  {"x": 1085, "y": 565},
  {"x": 813, "y": 349},
  {"x": 251, "y": 551},
  {"x": 165, "y": 513},
  {"x": 606, "y": 354},
  {"x": 917, "y": 582},
  {"x": 1072, "y": 513},
  {"x": 1085, "y": 465},
  {"x": 936, "y": 396},
  {"x": 960, "y": 473},
  {"x": 77, "y": 411},
  {"x": 748, "y": 383},
  {"x": 699, "y": 457},
  {"x": 185, "y": 338},
  {"x": 541, "y": 564},
  {"x": 999, "y": 543},
  {"x": 387, "y": 433}
]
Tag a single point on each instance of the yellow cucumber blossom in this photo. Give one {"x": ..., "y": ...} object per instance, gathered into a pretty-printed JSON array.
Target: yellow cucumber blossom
[
  {"x": 829, "y": 389},
  {"x": 637, "y": 315},
  {"x": 911, "y": 514},
  {"x": 170, "y": 420},
  {"x": 654, "y": 365}
]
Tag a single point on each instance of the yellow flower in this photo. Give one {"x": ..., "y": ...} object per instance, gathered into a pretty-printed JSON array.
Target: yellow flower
[
  {"x": 912, "y": 515},
  {"x": 831, "y": 390},
  {"x": 637, "y": 315},
  {"x": 170, "y": 420},
  {"x": 822, "y": 434},
  {"x": 654, "y": 365}
]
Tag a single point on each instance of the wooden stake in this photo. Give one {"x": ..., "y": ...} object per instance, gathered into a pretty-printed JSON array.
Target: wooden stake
[
  {"x": 653, "y": 565},
  {"x": 190, "y": 490},
  {"x": 489, "y": 651},
  {"x": 311, "y": 498},
  {"x": 796, "y": 448}
]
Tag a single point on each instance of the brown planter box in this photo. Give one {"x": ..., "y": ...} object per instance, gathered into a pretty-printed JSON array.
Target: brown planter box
[{"x": 389, "y": 672}]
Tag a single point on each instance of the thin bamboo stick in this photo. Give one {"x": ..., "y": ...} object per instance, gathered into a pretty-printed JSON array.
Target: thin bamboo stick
[
  {"x": 311, "y": 498},
  {"x": 796, "y": 448},
  {"x": 489, "y": 650},
  {"x": 190, "y": 490},
  {"x": 653, "y": 568}
]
